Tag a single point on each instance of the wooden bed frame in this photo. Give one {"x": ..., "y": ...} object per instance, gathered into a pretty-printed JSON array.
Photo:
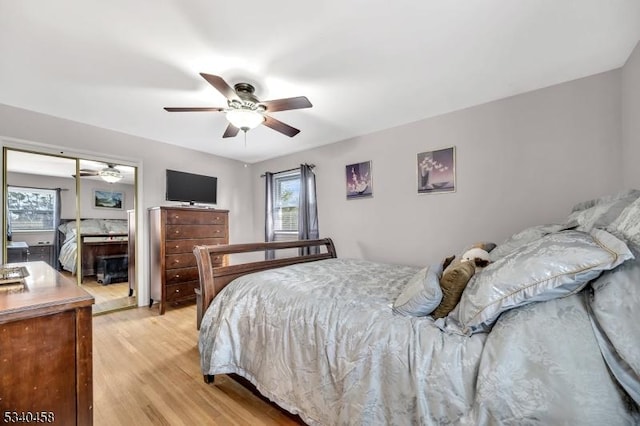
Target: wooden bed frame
[
  {"x": 90, "y": 250},
  {"x": 214, "y": 279}
]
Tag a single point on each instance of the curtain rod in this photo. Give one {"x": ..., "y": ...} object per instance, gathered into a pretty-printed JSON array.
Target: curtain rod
[{"x": 290, "y": 170}]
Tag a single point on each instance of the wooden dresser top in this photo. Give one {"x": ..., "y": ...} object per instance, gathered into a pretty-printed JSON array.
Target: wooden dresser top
[
  {"x": 46, "y": 291},
  {"x": 193, "y": 208}
]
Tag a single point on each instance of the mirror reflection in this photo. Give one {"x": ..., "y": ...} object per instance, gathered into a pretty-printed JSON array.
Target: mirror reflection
[{"x": 43, "y": 205}]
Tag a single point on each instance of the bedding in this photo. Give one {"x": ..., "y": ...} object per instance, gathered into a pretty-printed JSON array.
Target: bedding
[{"x": 324, "y": 340}]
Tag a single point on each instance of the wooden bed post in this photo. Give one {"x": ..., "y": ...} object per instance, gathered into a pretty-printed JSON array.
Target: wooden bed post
[{"x": 214, "y": 279}]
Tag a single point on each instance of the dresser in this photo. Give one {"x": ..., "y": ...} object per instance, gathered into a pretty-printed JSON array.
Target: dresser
[
  {"x": 46, "y": 350},
  {"x": 173, "y": 232},
  {"x": 17, "y": 251}
]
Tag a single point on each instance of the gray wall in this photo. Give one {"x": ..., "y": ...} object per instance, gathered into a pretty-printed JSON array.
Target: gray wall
[
  {"x": 50, "y": 135},
  {"x": 520, "y": 161},
  {"x": 631, "y": 119}
]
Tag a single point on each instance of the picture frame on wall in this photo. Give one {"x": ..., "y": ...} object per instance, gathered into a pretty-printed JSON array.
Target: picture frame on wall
[
  {"x": 359, "y": 181},
  {"x": 436, "y": 171},
  {"x": 112, "y": 200}
]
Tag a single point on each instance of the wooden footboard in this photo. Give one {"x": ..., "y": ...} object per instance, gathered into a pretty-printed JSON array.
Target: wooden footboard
[{"x": 214, "y": 279}]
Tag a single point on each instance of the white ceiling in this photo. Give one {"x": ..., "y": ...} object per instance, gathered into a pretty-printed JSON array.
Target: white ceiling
[
  {"x": 50, "y": 165},
  {"x": 365, "y": 65}
]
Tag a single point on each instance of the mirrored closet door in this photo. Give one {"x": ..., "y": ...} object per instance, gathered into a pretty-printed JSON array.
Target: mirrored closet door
[{"x": 51, "y": 200}]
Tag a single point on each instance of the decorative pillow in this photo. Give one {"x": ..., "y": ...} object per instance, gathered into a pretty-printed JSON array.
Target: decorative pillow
[
  {"x": 556, "y": 265},
  {"x": 527, "y": 236},
  {"x": 454, "y": 280},
  {"x": 627, "y": 225},
  {"x": 604, "y": 211},
  {"x": 422, "y": 294}
]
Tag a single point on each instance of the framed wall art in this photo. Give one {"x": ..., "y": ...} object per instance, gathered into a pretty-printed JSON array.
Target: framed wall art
[
  {"x": 113, "y": 200},
  {"x": 436, "y": 171},
  {"x": 358, "y": 180}
]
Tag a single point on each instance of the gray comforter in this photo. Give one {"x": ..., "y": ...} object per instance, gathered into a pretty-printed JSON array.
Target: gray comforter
[{"x": 321, "y": 340}]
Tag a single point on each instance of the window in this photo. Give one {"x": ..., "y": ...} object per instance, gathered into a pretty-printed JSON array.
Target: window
[
  {"x": 31, "y": 209},
  {"x": 285, "y": 203}
]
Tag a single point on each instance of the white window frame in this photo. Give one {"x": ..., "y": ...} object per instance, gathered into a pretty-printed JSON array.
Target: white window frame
[
  {"x": 283, "y": 234},
  {"x": 11, "y": 210}
]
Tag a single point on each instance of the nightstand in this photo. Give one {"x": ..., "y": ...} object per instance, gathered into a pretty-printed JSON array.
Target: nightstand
[{"x": 42, "y": 252}]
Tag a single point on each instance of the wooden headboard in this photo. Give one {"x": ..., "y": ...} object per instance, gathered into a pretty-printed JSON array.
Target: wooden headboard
[{"x": 214, "y": 279}]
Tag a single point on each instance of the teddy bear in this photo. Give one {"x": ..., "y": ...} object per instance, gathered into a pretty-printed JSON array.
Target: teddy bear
[{"x": 457, "y": 273}]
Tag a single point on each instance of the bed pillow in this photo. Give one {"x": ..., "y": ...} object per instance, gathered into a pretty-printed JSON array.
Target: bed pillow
[
  {"x": 606, "y": 199},
  {"x": 627, "y": 225},
  {"x": 604, "y": 211},
  {"x": 115, "y": 226},
  {"x": 527, "y": 236},
  {"x": 422, "y": 294},
  {"x": 87, "y": 226},
  {"x": 556, "y": 265},
  {"x": 453, "y": 282}
]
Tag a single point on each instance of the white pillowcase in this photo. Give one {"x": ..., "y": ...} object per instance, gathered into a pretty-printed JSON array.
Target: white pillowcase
[
  {"x": 422, "y": 294},
  {"x": 556, "y": 265}
]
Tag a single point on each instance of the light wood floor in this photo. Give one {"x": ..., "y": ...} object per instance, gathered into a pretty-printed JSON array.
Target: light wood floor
[
  {"x": 109, "y": 297},
  {"x": 147, "y": 372}
]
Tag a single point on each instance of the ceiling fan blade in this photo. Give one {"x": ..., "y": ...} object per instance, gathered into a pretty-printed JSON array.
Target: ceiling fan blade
[
  {"x": 231, "y": 131},
  {"x": 88, "y": 172},
  {"x": 287, "y": 104},
  {"x": 194, "y": 109},
  {"x": 279, "y": 126},
  {"x": 221, "y": 86}
]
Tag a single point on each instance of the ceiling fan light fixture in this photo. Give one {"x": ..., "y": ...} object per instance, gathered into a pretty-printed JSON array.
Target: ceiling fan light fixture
[
  {"x": 110, "y": 174},
  {"x": 244, "y": 119}
]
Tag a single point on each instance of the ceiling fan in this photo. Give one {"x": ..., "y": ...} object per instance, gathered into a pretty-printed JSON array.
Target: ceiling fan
[
  {"x": 109, "y": 174},
  {"x": 245, "y": 111}
]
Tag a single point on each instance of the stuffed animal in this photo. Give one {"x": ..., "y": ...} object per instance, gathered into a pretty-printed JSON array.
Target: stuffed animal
[
  {"x": 478, "y": 256},
  {"x": 457, "y": 273}
]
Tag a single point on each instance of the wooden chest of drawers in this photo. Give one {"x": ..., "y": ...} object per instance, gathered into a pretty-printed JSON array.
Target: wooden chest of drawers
[{"x": 174, "y": 231}]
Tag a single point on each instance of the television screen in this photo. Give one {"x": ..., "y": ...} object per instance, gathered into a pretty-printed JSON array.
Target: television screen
[{"x": 191, "y": 188}]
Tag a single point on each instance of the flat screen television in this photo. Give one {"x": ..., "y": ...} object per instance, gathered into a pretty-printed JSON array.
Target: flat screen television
[{"x": 191, "y": 188}]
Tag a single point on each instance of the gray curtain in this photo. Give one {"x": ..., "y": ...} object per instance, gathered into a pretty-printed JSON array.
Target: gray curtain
[
  {"x": 56, "y": 233},
  {"x": 308, "y": 209},
  {"x": 269, "y": 234}
]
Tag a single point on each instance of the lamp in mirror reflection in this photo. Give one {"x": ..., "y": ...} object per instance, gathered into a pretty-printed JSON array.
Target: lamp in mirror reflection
[{"x": 110, "y": 174}]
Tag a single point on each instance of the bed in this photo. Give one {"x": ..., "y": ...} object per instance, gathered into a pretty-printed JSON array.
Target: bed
[
  {"x": 548, "y": 333},
  {"x": 99, "y": 237}
]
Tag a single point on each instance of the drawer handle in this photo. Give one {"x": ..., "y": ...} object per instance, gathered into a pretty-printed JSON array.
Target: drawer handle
[
  {"x": 177, "y": 232},
  {"x": 177, "y": 246},
  {"x": 177, "y": 275},
  {"x": 178, "y": 290},
  {"x": 177, "y": 261},
  {"x": 217, "y": 231},
  {"x": 177, "y": 217}
]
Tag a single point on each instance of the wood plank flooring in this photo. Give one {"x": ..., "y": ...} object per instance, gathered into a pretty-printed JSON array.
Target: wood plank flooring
[
  {"x": 147, "y": 372},
  {"x": 109, "y": 297}
]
